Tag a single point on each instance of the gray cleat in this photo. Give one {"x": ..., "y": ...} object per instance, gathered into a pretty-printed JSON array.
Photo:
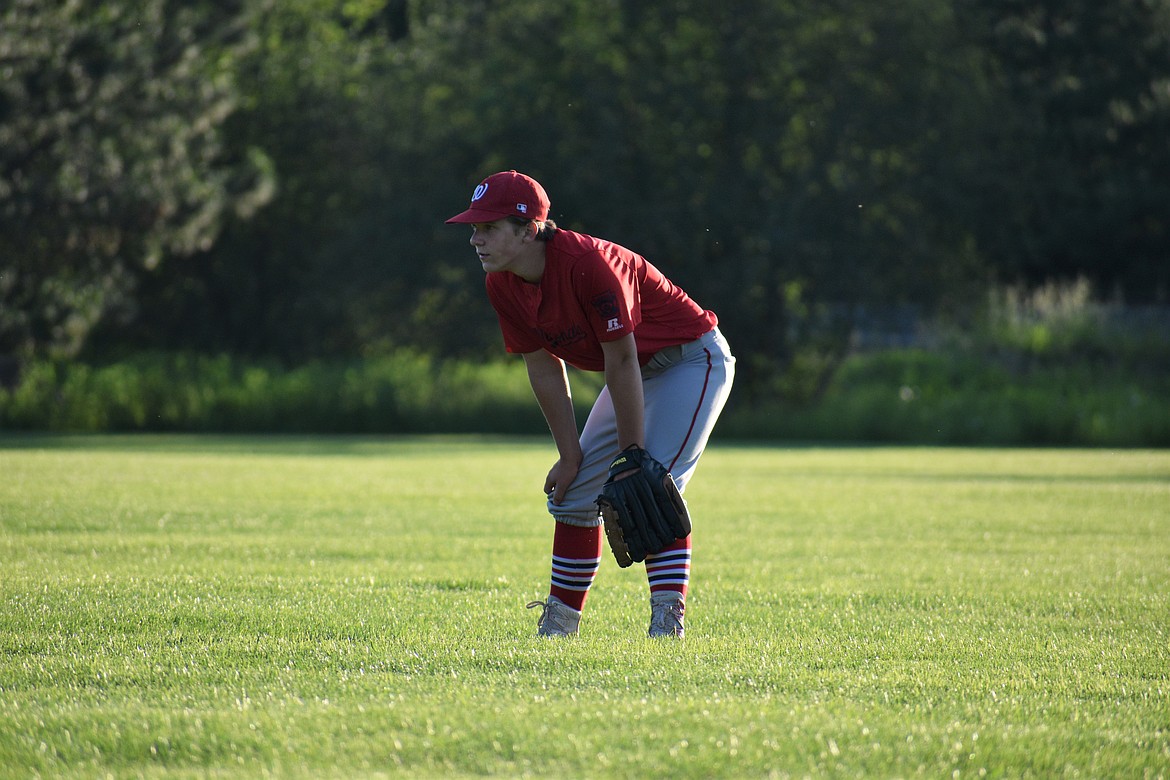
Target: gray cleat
[
  {"x": 666, "y": 614},
  {"x": 556, "y": 618}
]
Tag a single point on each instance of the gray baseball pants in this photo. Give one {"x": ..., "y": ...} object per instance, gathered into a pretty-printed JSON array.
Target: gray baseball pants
[{"x": 685, "y": 388}]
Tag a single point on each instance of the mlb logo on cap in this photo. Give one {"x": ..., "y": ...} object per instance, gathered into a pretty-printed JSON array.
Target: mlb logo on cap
[{"x": 505, "y": 194}]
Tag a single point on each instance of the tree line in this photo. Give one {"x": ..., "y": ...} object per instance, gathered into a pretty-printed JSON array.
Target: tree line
[{"x": 270, "y": 178}]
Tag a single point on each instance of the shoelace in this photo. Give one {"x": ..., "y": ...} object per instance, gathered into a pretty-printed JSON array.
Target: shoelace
[{"x": 543, "y": 612}]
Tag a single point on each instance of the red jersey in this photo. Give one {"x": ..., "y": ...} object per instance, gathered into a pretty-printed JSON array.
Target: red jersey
[{"x": 593, "y": 291}]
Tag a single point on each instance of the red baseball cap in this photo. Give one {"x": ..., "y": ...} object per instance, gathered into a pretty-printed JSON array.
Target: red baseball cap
[{"x": 505, "y": 194}]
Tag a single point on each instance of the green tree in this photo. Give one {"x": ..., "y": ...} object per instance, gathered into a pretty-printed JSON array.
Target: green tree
[
  {"x": 110, "y": 154},
  {"x": 351, "y": 256},
  {"x": 792, "y": 164},
  {"x": 775, "y": 157},
  {"x": 1076, "y": 174}
]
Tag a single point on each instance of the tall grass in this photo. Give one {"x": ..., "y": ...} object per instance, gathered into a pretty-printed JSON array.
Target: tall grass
[
  {"x": 1044, "y": 367},
  {"x": 932, "y": 397},
  {"x": 403, "y": 393},
  {"x": 301, "y": 607}
]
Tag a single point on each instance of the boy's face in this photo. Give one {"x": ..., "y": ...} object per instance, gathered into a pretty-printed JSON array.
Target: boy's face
[{"x": 498, "y": 244}]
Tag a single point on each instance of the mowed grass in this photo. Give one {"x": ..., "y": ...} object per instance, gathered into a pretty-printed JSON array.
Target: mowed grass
[{"x": 246, "y": 607}]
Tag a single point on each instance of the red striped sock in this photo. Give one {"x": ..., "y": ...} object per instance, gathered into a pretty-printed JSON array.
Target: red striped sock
[
  {"x": 576, "y": 555},
  {"x": 671, "y": 568}
]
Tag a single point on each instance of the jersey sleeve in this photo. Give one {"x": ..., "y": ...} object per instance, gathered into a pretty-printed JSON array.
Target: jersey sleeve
[{"x": 607, "y": 286}]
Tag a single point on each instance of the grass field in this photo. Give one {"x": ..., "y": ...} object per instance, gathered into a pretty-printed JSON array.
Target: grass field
[{"x": 246, "y": 607}]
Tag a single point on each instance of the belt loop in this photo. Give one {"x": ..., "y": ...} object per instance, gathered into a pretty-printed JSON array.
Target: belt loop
[{"x": 706, "y": 340}]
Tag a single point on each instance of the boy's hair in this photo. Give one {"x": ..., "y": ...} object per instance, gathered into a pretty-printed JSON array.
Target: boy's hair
[{"x": 544, "y": 229}]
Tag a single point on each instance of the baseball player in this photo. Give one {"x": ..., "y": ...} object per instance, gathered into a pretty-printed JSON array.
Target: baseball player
[{"x": 565, "y": 297}]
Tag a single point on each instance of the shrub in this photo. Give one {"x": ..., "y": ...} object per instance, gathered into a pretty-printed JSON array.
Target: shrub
[
  {"x": 912, "y": 396},
  {"x": 402, "y": 393}
]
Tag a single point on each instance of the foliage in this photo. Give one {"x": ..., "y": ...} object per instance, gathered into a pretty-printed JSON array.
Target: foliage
[
  {"x": 839, "y": 163},
  {"x": 1051, "y": 367},
  {"x": 403, "y": 393},
  {"x": 1076, "y": 177},
  {"x": 1064, "y": 323},
  {"x": 1024, "y": 389},
  {"x": 790, "y": 164},
  {"x": 1047, "y": 367},
  {"x": 111, "y": 155},
  {"x": 940, "y": 398},
  {"x": 353, "y": 607}
]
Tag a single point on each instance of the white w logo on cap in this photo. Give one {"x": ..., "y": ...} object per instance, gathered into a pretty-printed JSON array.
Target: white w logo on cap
[{"x": 480, "y": 191}]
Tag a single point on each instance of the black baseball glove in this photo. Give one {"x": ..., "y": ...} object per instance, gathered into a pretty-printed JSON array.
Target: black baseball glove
[{"x": 641, "y": 507}]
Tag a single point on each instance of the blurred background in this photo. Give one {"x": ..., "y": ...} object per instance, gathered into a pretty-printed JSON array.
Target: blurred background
[{"x": 936, "y": 221}]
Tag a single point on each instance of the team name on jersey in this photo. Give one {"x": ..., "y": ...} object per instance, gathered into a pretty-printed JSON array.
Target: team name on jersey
[{"x": 569, "y": 335}]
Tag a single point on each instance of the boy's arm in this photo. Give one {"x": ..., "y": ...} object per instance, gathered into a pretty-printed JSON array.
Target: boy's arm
[{"x": 550, "y": 385}]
